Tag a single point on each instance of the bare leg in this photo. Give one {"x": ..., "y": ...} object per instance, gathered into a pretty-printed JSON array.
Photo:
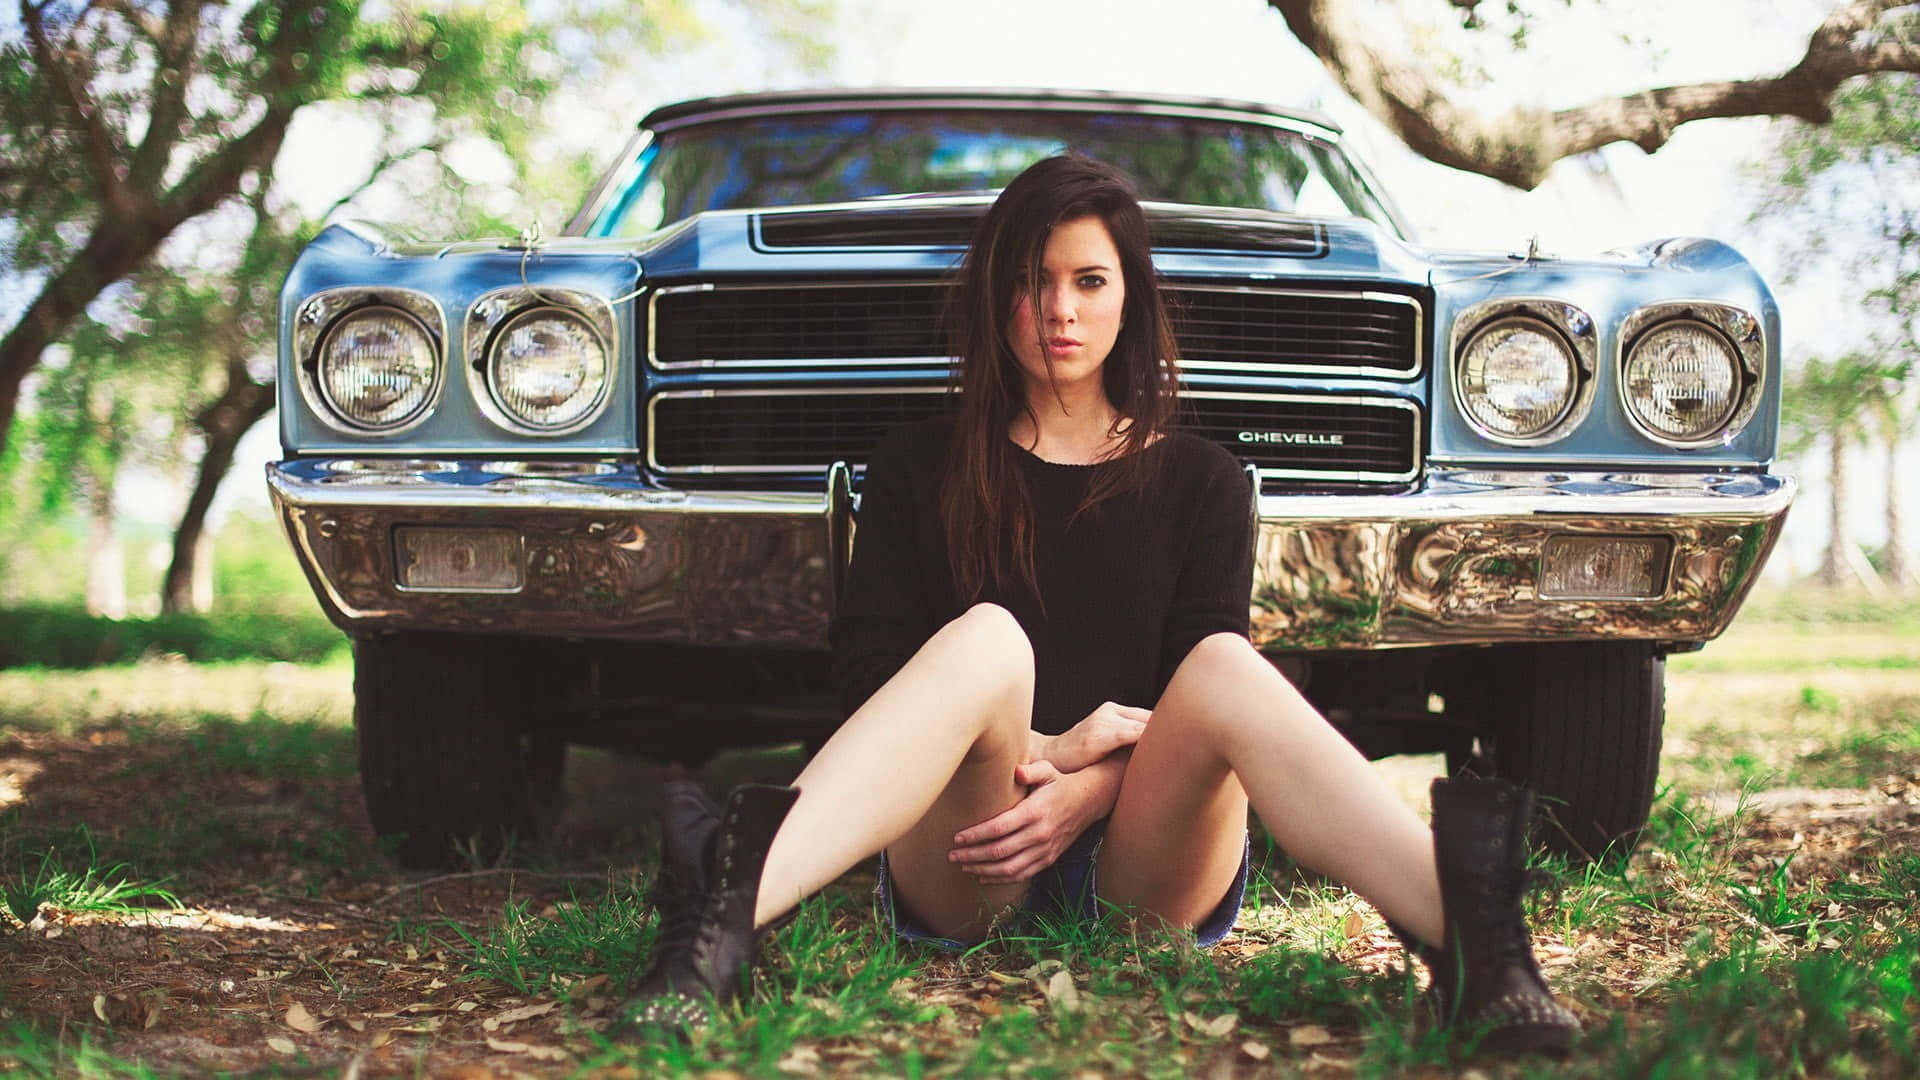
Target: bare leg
[
  {"x": 1227, "y": 722},
  {"x": 932, "y": 752}
]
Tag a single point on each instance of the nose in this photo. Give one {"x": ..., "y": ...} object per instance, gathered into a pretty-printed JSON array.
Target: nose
[{"x": 1058, "y": 302}]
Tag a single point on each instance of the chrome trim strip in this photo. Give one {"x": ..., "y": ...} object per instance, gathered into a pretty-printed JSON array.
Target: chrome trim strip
[
  {"x": 312, "y": 322},
  {"x": 612, "y": 181},
  {"x": 494, "y": 309},
  {"x": 611, "y": 555},
  {"x": 1575, "y": 327},
  {"x": 1742, "y": 329},
  {"x": 1304, "y": 128},
  {"x": 653, "y": 460},
  {"x": 1419, "y": 435}
]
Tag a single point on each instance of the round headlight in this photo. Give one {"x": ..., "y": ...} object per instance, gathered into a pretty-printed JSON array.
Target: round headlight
[
  {"x": 1682, "y": 381},
  {"x": 377, "y": 368},
  {"x": 1517, "y": 378},
  {"x": 548, "y": 368}
]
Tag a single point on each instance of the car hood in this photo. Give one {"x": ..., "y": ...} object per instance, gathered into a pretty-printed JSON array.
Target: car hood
[{"x": 920, "y": 233}]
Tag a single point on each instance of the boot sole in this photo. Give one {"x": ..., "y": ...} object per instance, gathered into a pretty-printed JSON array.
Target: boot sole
[{"x": 1551, "y": 1040}]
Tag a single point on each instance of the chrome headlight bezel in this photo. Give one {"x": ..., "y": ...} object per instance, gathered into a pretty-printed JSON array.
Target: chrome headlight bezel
[
  {"x": 1565, "y": 324},
  {"x": 1737, "y": 328},
  {"x": 494, "y": 313},
  {"x": 322, "y": 314}
]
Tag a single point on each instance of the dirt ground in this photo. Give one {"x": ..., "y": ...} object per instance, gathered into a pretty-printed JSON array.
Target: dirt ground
[{"x": 301, "y": 950}]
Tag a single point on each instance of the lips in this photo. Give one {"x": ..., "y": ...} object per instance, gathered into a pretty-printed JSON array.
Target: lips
[{"x": 1062, "y": 343}]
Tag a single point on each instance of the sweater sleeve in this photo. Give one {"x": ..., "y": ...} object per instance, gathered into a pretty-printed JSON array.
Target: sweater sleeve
[
  {"x": 884, "y": 615},
  {"x": 1214, "y": 589}
]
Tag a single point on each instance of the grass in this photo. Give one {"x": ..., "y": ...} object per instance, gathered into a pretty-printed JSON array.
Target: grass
[
  {"x": 1742, "y": 938},
  {"x": 90, "y": 889},
  {"x": 61, "y": 637}
]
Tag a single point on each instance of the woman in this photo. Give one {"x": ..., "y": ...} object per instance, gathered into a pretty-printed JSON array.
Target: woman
[{"x": 1030, "y": 576}]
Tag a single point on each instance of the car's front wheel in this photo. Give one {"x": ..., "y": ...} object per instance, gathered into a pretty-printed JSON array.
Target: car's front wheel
[
  {"x": 450, "y": 769},
  {"x": 1581, "y": 725}
]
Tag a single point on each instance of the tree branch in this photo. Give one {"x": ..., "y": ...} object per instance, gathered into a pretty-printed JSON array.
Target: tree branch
[
  {"x": 1519, "y": 147},
  {"x": 174, "y": 44},
  {"x": 150, "y": 28},
  {"x": 103, "y": 153}
]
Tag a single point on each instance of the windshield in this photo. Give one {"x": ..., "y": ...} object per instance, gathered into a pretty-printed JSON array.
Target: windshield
[{"x": 790, "y": 160}]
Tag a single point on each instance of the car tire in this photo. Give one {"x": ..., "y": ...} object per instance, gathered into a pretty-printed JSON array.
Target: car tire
[
  {"x": 1581, "y": 725},
  {"x": 451, "y": 773}
]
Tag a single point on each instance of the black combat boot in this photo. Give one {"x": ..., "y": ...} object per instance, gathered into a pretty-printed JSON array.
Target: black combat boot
[
  {"x": 710, "y": 881},
  {"x": 1485, "y": 976}
]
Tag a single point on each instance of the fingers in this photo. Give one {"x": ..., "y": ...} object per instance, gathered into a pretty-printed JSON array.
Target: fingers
[
  {"x": 1035, "y": 773},
  {"x": 1005, "y": 823},
  {"x": 1014, "y": 858},
  {"x": 1130, "y": 712}
]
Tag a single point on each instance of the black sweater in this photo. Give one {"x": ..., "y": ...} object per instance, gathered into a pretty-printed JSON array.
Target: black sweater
[{"x": 1128, "y": 588}]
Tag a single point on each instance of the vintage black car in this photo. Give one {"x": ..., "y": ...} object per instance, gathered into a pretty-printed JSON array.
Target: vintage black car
[{"x": 599, "y": 488}]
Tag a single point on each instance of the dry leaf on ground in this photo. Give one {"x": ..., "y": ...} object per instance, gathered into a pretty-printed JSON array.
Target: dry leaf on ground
[
  {"x": 514, "y": 1016},
  {"x": 299, "y": 1019},
  {"x": 538, "y": 1053},
  {"x": 1309, "y": 1035},
  {"x": 1061, "y": 993}
]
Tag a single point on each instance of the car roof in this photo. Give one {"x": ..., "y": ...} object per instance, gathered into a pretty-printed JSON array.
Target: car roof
[{"x": 732, "y": 106}]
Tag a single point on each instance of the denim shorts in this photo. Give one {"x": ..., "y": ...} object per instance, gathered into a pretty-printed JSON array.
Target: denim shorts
[{"x": 1064, "y": 890}]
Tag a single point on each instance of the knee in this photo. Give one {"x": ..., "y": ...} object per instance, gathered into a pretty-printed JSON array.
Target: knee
[
  {"x": 993, "y": 627},
  {"x": 996, "y": 642},
  {"x": 1224, "y": 654},
  {"x": 1226, "y": 666}
]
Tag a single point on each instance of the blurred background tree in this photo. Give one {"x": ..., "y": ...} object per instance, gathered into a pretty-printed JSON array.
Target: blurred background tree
[
  {"x": 152, "y": 213},
  {"x": 1837, "y": 405},
  {"x": 1367, "y": 49},
  {"x": 1858, "y": 177}
]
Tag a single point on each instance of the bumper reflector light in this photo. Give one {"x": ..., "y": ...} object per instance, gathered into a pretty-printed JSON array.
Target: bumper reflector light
[
  {"x": 1574, "y": 567},
  {"x": 458, "y": 560}
]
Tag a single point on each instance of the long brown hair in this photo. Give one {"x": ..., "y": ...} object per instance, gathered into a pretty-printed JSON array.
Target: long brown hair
[{"x": 984, "y": 504}]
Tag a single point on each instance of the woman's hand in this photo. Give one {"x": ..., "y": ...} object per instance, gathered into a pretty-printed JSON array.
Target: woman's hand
[
  {"x": 1106, "y": 729},
  {"x": 1015, "y": 845}
]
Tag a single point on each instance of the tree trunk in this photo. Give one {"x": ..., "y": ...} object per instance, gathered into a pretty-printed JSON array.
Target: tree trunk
[
  {"x": 1899, "y": 574},
  {"x": 118, "y": 245},
  {"x": 230, "y": 416},
  {"x": 1834, "y": 570},
  {"x": 106, "y": 586}
]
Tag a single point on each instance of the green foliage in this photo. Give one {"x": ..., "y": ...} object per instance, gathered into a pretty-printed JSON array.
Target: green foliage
[
  {"x": 65, "y": 638},
  {"x": 1849, "y": 399},
  {"x": 254, "y": 571},
  {"x": 1760, "y": 1013},
  {"x": 26, "y": 1051},
  {"x": 90, "y": 888}
]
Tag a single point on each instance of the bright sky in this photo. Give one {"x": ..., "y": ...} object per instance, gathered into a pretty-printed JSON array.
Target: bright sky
[{"x": 1241, "y": 49}]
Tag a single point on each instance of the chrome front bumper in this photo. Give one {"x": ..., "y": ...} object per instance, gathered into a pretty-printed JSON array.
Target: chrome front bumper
[{"x": 607, "y": 554}]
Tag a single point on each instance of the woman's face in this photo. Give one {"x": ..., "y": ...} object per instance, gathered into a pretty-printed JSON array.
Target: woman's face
[{"x": 1081, "y": 298}]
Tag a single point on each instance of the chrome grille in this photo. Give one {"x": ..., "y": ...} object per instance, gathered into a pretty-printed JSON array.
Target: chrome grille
[
  {"x": 805, "y": 325},
  {"x": 896, "y": 323},
  {"x": 1287, "y": 436},
  {"x": 777, "y": 431},
  {"x": 1242, "y": 329}
]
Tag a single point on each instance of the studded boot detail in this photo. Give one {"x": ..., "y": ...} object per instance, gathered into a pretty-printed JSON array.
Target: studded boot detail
[
  {"x": 710, "y": 884},
  {"x": 1485, "y": 977}
]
